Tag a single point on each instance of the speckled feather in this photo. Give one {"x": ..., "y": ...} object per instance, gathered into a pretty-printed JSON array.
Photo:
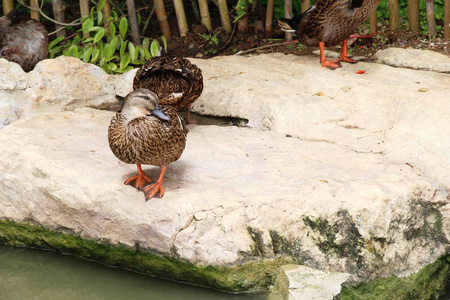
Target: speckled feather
[
  {"x": 22, "y": 41},
  {"x": 169, "y": 75},
  {"x": 148, "y": 140},
  {"x": 333, "y": 21}
]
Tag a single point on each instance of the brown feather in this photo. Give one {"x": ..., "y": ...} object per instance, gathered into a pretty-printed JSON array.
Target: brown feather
[
  {"x": 148, "y": 139},
  {"x": 332, "y": 21},
  {"x": 168, "y": 75},
  {"x": 22, "y": 40}
]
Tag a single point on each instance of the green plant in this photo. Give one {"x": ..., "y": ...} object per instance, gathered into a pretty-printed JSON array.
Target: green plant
[
  {"x": 212, "y": 40},
  {"x": 106, "y": 45}
]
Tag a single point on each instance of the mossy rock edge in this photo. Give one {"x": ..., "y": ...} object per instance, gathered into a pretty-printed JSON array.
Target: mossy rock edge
[
  {"x": 431, "y": 282},
  {"x": 250, "y": 276}
]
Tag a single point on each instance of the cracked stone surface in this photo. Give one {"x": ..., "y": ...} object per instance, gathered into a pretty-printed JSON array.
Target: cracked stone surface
[{"x": 340, "y": 171}]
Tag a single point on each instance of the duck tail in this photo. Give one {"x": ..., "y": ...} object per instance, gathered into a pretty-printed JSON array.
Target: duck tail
[
  {"x": 292, "y": 25},
  {"x": 285, "y": 26}
]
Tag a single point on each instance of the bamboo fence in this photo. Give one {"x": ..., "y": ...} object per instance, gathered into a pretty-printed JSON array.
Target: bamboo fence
[{"x": 203, "y": 9}]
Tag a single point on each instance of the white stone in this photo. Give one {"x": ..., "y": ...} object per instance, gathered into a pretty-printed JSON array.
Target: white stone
[
  {"x": 415, "y": 59},
  {"x": 311, "y": 284}
]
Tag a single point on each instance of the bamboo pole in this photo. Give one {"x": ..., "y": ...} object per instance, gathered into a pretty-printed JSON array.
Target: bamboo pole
[
  {"x": 373, "y": 22},
  {"x": 181, "y": 17},
  {"x": 288, "y": 15},
  {"x": 413, "y": 15},
  {"x": 7, "y": 6},
  {"x": 243, "y": 22},
  {"x": 447, "y": 19},
  {"x": 107, "y": 12},
  {"x": 162, "y": 18},
  {"x": 305, "y": 5},
  {"x": 394, "y": 19},
  {"x": 84, "y": 11},
  {"x": 224, "y": 15},
  {"x": 58, "y": 13},
  {"x": 133, "y": 22},
  {"x": 431, "y": 20},
  {"x": 269, "y": 18},
  {"x": 204, "y": 14},
  {"x": 34, "y": 10}
]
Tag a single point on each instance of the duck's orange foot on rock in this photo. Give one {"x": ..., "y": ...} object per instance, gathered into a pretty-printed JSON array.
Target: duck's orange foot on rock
[
  {"x": 153, "y": 190},
  {"x": 139, "y": 181},
  {"x": 330, "y": 64},
  {"x": 346, "y": 59}
]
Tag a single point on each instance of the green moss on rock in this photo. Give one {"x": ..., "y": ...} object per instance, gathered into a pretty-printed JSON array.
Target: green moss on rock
[
  {"x": 252, "y": 276},
  {"x": 429, "y": 283}
]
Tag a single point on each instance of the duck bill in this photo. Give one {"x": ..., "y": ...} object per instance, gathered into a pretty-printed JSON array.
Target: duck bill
[{"x": 157, "y": 112}]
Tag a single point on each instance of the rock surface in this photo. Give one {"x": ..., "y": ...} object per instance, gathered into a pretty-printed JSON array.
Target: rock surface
[
  {"x": 340, "y": 171},
  {"x": 414, "y": 59}
]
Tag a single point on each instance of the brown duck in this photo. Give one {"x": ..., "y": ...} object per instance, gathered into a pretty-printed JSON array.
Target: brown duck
[
  {"x": 22, "y": 40},
  {"x": 330, "y": 22},
  {"x": 175, "y": 80},
  {"x": 142, "y": 132}
]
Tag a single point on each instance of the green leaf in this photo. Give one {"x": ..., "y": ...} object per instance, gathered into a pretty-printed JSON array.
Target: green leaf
[
  {"x": 112, "y": 29},
  {"x": 146, "y": 43},
  {"x": 76, "y": 40},
  {"x": 102, "y": 62},
  {"x": 114, "y": 43},
  {"x": 123, "y": 27},
  {"x": 95, "y": 55},
  {"x": 164, "y": 40},
  {"x": 87, "y": 54},
  {"x": 112, "y": 66},
  {"x": 91, "y": 13},
  {"x": 54, "y": 42},
  {"x": 99, "y": 35},
  {"x": 147, "y": 54},
  {"x": 100, "y": 5},
  {"x": 99, "y": 17},
  {"x": 72, "y": 51},
  {"x": 108, "y": 51},
  {"x": 154, "y": 48},
  {"x": 131, "y": 49},
  {"x": 122, "y": 48},
  {"x": 95, "y": 28},
  {"x": 125, "y": 61},
  {"x": 87, "y": 24}
]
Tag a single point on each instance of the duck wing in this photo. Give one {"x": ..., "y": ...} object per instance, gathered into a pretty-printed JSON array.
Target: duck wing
[{"x": 175, "y": 80}]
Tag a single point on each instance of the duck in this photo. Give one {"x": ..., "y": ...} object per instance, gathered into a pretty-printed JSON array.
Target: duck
[
  {"x": 175, "y": 80},
  {"x": 328, "y": 23},
  {"x": 22, "y": 40},
  {"x": 144, "y": 132}
]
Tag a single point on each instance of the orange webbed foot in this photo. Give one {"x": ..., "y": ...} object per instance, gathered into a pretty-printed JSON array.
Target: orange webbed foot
[
  {"x": 138, "y": 181},
  {"x": 346, "y": 59},
  {"x": 153, "y": 190},
  {"x": 331, "y": 64}
]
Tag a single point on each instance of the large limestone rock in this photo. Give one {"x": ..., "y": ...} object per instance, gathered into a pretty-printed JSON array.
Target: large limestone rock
[
  {"x": 64, "y": 83},
  {"x": 339, "y": 171},
  {"x": 415, "y": 59}
]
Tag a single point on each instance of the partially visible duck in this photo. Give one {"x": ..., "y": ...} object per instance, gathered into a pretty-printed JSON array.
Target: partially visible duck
[
  {"x": 175, "y": 80},
  {"x": 142, "y": 132},
  {"x": 22, "y": 40},
  {"x": 330, "y": 22}
]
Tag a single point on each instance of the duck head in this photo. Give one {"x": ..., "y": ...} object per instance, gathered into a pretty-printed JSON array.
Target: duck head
[{"x": 142, "y": 103}]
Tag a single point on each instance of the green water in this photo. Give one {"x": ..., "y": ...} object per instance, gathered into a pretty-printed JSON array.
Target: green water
[{"x": 36, "y": 274}]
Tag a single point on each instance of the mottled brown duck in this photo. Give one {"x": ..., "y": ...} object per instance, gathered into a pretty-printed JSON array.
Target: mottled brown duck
[
  {"x": 22, "y": 40},
  {"x": 330, "y": 22},
  {"x": 142, "y": 132},
  {"x": 175, "y": 80}
]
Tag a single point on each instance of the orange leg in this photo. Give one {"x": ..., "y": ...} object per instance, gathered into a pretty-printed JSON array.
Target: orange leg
[
  {"x": 140, "y": 181},
  {"x": 156, "y": 189},
  {"x": 327, "y": 63},
  {"x": 188, "y": 115},
  {"x": 343, "y": 56}
]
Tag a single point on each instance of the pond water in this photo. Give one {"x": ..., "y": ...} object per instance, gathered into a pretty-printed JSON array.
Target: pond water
[{"x": 36, "y": 274}]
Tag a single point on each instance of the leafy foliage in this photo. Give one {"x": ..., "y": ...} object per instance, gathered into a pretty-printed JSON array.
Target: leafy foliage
[{"x": 106, "y": 45}]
